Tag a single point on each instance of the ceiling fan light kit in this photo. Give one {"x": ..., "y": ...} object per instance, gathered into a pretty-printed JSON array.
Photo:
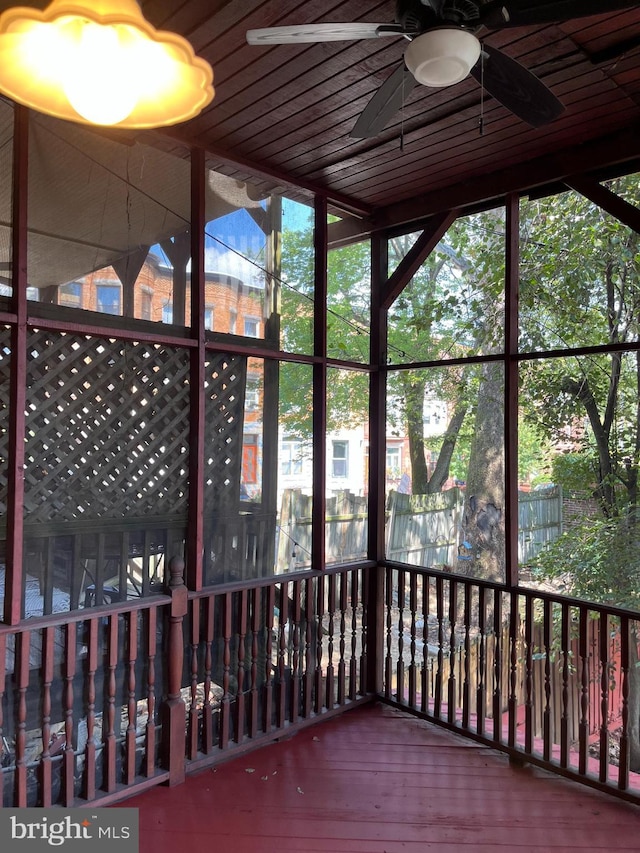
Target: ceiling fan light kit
[
  {"x": 442, "y": 57},
  {"x": 99, "y": 62},
  {"x": 443, "y": 50}
]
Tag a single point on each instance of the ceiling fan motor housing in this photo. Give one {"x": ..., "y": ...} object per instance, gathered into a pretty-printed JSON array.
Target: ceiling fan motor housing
[{"x": 416, "y": 16}]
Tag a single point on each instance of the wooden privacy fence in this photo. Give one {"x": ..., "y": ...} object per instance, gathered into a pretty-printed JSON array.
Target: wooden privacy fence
[
  {"x": 535, "y": 673},
  {"x": 540, "y": 521},
  {"x": 421, "y": 530},
  {"x": 346, "y": 529}
]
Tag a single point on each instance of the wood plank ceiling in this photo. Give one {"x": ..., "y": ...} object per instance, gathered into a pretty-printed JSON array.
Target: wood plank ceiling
[{"x": 288, "y": 109}]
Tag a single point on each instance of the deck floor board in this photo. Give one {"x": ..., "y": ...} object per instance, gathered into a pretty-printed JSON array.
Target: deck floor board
[{"x": 375, "y": 780}]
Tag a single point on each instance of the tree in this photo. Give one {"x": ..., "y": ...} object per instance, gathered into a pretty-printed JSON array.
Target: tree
[
  {"x": 581, "y": 289},
  {"x": 347, "y": 333},
  {"x": 483, "y": 529},
  {"x": 450, "y": 310}
]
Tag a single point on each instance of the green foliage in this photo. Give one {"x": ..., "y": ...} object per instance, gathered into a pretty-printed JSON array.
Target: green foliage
[
  {"x": 452, "y": 308},
  {"x": 453, "y": 304},
  {"x": 296, "y": 397},
  {"x": 348, "y": 322},
  {"x": 598, "y": 560},
  {"x": 297, "y": 274},
  {"x": 535, "y": 455},
  {"x": 579, "y": 287},
  {"x": 574, "y": 472},
  {"x": 349, "y": 302},
  {"x": 578, "y": 272}
]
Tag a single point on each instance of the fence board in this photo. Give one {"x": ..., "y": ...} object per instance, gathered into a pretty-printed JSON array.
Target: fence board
[{"x": 421, "y": 530}]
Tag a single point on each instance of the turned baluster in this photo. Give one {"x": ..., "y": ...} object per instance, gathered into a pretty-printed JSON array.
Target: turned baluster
[
  {"x": 23, "y": 642},
  {"x": 207, "y": 708},
  {"x": 132, "y": 705},
  {"x": 150, "y": 730},
  {"x": 48, "y": 639},
  {"x": 90, "y": 748},
  {"x": 193, "y": 705},
  {"x": 344, "y": 604},
  {"x": 69, "y": 758}
]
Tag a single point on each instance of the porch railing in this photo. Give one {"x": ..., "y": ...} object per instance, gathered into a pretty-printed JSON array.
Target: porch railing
[
  {"x": 551, "y": 680},
  {"x": 98, "y": 704},
  {"x": 80, "y": 699},
  {"x": 272, "y": 657}
]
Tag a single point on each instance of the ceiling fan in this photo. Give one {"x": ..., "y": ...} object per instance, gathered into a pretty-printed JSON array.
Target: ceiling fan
[{"x": 444, "y": 49}]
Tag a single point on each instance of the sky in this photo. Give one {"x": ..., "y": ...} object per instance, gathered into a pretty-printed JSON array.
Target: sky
[{"x": 234, "y": 243}]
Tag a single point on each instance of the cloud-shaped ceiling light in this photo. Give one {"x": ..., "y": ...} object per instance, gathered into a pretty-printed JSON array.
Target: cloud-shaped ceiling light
[{"x": 100, "y": 62}]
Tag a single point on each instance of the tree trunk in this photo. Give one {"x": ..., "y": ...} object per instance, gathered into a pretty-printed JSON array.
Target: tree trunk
[
  {"x": 414, "y": 389},
  {"x": 441, "y": 471},
  {"x": 481, "y": 552},
  {"x": 581, "y": 390}
]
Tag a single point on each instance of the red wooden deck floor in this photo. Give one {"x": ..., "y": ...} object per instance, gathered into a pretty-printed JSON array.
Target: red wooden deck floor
[{"x": 375, "y": 780}]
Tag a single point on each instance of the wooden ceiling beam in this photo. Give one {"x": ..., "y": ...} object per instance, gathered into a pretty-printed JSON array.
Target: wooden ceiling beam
[
  {"x": 614, "y": 204},
  {"x": 416, "y": 256},
  {"x": 614, "y": 149}
]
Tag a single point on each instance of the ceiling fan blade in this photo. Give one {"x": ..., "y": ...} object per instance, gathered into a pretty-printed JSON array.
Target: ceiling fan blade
[
  {"x": 311, "y": 33},
  {"x": 384, "y": 104},
  {"x": 511, "y": 13},
  {"x": 515, "y": 87}
]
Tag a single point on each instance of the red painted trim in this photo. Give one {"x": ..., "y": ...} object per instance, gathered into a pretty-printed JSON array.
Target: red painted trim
[
  {"x": 319, "y": 387},
  {"x": 512, "y": 278},
  {"x": 155, "y": 337},
  {"x": 18, "y": 375},
  {"x": 416, "y": 256},
  {"x": 194, "y": 568},
  {"x": 377, "y": 399}
]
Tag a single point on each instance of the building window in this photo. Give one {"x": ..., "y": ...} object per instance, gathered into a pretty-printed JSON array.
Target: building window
[
  {"x": 167, "y": 313},
  {"x": 252, "y": 395},
  {"x": 290, "y": 458},
  {"x": 146, "y": 301},
  {"x": 251, "y": 327},
  {"x": 233, "y": 321},
  {"x": 394, "y": 461},
  {"x": 340, "y": 459},
  {"x": 71, "y": 294},
  {"x": 108, "y": 298},
  {"x": 208, "y": 318}
]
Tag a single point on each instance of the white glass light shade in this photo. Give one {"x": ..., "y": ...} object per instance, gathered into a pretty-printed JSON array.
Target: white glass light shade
[
  {"x": 442, "y": 57},
  {"x": 100, "y": 62}
]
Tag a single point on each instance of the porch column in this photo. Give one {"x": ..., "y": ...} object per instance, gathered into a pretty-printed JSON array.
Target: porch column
[{"x": 173, "y": 710}]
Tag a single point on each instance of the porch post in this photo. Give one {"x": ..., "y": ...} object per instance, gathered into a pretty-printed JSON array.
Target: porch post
[
  {"x": 377, "y": 451},
  {"x": 319, "y": 509},
  {"x": 173, "y": 709},
  {"x": 18, "y": 374},
  {"x": 511, "y": 390}
]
